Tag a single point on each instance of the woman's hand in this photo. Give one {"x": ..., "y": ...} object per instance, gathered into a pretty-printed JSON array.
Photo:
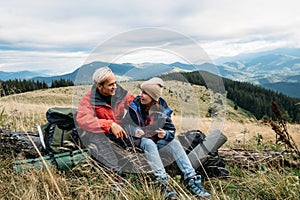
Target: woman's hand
[{"x": 161, "y": 133}]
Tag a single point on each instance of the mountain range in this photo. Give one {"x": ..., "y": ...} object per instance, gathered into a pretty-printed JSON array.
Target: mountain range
[{"x": 277, "y": 70}]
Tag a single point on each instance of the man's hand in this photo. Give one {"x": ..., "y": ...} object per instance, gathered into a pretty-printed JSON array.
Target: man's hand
[
  {"x": 139, "y": 133},
  {"x": 161, "y": 133},
  {"x": 118, "y": 131}
]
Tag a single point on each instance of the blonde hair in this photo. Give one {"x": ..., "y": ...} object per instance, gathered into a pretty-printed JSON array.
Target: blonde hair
[{"x": 101, "y": 75}]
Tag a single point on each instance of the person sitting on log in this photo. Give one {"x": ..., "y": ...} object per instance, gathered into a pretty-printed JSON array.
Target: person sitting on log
[
  {"x": 148, "y": 122},
  {"x": 100, "y": 113}
]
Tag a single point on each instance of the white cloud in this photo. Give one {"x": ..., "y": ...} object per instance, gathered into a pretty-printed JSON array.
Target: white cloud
[
  {"x": 50, "y": 62},
  {"x": 225, "y": 27},
  {"x": 224, "y": 48}
]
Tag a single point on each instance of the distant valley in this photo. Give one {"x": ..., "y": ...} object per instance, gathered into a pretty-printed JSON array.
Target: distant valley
[{"x": 278, "y": 70}]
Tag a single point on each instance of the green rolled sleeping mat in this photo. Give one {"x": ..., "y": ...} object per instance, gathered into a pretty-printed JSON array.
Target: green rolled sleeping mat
[{"x": 62, "y": 161}]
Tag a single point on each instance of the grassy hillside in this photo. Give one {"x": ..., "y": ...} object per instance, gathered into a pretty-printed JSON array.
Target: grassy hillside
[
  {"x": 23, "y": 112},
  {"x": 191, "y": 105}
]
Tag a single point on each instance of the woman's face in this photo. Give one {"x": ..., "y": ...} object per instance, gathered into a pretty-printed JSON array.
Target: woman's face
[{"x": 145, "y": 98}]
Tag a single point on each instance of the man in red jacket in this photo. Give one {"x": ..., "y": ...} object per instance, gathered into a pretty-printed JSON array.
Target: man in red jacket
[{"x": 100, "y": 113}]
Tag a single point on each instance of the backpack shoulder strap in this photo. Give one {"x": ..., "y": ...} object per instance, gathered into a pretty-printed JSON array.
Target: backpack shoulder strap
[{"x": 48, "y": 137}]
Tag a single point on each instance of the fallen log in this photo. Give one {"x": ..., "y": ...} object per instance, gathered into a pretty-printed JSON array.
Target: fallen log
[
  {"x": 22, "y": 144},
  {"x": 253, "y": 159}
]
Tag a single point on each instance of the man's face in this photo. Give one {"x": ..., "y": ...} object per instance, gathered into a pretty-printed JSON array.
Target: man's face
[{"x": 108, "y": 88}]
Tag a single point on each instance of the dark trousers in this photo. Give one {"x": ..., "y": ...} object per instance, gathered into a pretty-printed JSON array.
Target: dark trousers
[{"x": 107, "y": 150}]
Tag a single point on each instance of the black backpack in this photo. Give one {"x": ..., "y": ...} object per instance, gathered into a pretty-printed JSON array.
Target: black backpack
[
  {"x": 60, "y": 133},
  {"x": 190, "y": 139},
  {"x": 214, "y": 165}
]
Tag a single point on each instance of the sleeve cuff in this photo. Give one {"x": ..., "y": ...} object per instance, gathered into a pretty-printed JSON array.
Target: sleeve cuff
[
  {"x": 167, "y": 134},
  {"x": 135, "y": 129}
]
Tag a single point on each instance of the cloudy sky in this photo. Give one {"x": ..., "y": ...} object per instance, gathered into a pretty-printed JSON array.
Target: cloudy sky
[{"x": 57, "y": 36}]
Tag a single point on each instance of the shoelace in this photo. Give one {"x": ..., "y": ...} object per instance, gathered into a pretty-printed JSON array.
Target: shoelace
[{"x": 195, "y": 186}]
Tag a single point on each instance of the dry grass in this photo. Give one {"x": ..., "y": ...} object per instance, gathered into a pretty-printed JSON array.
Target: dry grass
[
  {"x": 240, "y": 134},
  {"x": 25, "y": 111},
  {"x": 190, "y": 113}
]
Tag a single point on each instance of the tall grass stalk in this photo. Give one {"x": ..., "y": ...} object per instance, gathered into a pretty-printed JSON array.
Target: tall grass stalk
[{"x": 24, "y": 112}]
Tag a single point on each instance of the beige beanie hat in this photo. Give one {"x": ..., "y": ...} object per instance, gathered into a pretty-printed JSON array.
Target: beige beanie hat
[{"x": 153, "y": 87}]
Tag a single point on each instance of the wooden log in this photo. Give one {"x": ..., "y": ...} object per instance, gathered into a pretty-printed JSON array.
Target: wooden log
[
  {"x": 252, "y": 159},
  {"x": 20, "y": 143}
]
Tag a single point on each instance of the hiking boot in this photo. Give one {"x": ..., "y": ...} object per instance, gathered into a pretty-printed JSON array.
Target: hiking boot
[
  {"x": 167, "y": 192},
  {"x": 195, "y": 186}
]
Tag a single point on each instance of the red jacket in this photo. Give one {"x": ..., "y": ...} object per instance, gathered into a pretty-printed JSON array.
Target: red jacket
[{"x": 96, "y": 116}]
